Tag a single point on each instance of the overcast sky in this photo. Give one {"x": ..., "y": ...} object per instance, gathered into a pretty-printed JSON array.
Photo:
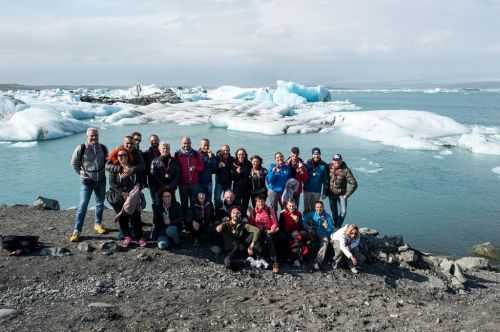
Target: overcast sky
[{"x": 248, "y": 42}]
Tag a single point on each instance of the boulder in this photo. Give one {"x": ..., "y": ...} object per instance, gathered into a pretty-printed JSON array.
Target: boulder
[
  {"x": 44, "y": 203},
  {"x": 7, "y": 313},
  {"x": 368, "y": 231},
  {"x": 410, "y": 257},
  {"x": 55, "y": 252},
  {"x": 473, "y": 263},
  {"x": 85, "y": 247},
  {"x": 486, "y": 250},
  {"x": 108, "y": 246},
  {"x": 446, "y": 266}
]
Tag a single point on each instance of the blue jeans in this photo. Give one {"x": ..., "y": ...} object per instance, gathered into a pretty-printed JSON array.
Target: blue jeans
[
  {"x": 165, "y": 240},
  {"x": 338, "y": 204},
  {"x": 86, "y": 190},
  {"x": 274, "y": 199}
]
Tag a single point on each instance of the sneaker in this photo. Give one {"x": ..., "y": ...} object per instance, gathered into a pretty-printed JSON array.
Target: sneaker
[
  {"x": 142, "y": 243},
  {"x": 354, "y": 270},
  {"x": 99, "y": 229},
  {"x": 316, "y": 267},
  {"x": 296, "y": 263},
  {"x": 276, "y": 268},
  {"x": 75, "y": 237},
  {"x": 126, "y": 241}
]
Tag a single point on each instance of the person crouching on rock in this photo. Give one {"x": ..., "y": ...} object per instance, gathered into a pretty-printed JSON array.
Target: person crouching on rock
[
  {"x": 264, "y": 218},
  {"x": 203, "y": 219},
  {"x": 125, "y": 196},
  {"x": 319, "y": 227},
  {"x": 167, "y": 217},
  {"x": 345, "y": 243},
  {"x": 291, "y": 237},
  {"x": 240, "y": 239}
]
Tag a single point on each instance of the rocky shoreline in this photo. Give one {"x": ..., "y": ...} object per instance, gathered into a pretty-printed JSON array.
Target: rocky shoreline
[{"x": 94, "y": 286}]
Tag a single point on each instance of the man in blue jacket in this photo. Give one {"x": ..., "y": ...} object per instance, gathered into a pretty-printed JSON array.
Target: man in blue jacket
[
  {"x": 277, "y": 176},
  {"x": 316, "y": 169},
  {"x": 319, "y": 226}
]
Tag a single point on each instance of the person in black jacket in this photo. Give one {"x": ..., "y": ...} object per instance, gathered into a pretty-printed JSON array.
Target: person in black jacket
[
  {"x": 240, "y": 174},
  {"x": 223, "y": 165},
  {"x": 149, "y": 155},
  {"x": 203, "y": 219},
  {"x": 164, "y": 172},
  {"x": 122, "y": 182},
  {"x": 136, "y": 162},
  {"x": 167, "y": 216},
  {"x": 257, "y": 179}
]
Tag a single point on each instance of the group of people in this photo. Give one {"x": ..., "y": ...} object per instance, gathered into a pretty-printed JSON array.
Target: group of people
[{"x": 249, "y": 213}]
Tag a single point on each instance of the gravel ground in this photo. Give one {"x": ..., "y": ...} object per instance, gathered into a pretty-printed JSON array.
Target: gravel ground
[{"x": 189, "y": 290}]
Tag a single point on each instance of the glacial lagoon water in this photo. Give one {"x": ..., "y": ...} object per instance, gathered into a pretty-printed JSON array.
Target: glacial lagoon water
[{"x": 441, "y": 201}]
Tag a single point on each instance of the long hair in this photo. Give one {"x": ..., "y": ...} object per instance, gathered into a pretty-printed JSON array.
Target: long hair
[{"x": 113, "y": 155}]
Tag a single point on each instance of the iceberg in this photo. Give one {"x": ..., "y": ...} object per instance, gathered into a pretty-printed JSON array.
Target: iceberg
[
  {"x": 34, "y": 124},
  {"x": 310, "y": 94},
  {"x": 227, "y": 92},
  {"x": 481, "y": 140}
]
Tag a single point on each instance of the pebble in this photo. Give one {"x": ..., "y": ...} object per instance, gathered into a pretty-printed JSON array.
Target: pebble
[{"x": 100, "y": 305}]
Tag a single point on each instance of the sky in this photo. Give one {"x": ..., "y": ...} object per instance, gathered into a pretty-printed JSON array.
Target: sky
[{"x": 248, "y": 42}]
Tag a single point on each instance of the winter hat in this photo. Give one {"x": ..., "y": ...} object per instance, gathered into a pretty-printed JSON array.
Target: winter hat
[
  {"x": 316, "y": 150},
  {"x": 337, "y": 157}
]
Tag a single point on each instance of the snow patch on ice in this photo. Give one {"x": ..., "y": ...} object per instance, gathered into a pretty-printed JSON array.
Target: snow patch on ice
[
  {"x": 484, "y": 140},
  {"x": 23, "y": 144}
]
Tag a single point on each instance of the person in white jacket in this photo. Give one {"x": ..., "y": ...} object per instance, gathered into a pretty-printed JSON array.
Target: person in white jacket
[{"x": 345, "y": 242}]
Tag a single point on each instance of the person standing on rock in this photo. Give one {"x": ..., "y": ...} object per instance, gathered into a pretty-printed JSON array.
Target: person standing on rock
[
  {"x": 240, "y": 174},
  {"x": 164, "y": 173},
  {"x": 316, "y": 170},
  {"x": 209, "y": 164},
  {"x": 240, "y": 239},
  {"x": 340, "y": 184},
  {"x": 319, "y": 227},
  {"x": 149, "y": 155},
  {"x": 125, "y": 196},
  {"x": 345, "y": 243},
  {"x": 257, "y": 179},
  {"x": 191, "y": 165},
  {"x": 167, "y": 218},
  {"x": 224, "y": 163},
  {"x": 136, "y": 162},
  {"x": 88, "y": 161},
  {"x": 277, "y": 176}
]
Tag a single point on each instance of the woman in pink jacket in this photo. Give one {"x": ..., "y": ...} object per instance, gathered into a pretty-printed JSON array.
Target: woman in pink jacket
[{"x": 264, "y": 218}]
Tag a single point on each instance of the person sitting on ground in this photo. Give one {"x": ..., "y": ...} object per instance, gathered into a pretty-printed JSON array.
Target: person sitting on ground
[
  {"x": 224, "y": 163},
  {"x": 316, "y": 170},
  {"x": 240, "y": 175},
  {"x": 291, "y": 238},
  {"x": 277, "y": 176},
  {"x": 319, "y": 227},
  {"x": 240, "y": 239},
  {"x": 257, "y": 179},
  {"x": 167, "y": 216},
  {"x": 298, "y": 171},
  {"x": 340, "y": 184},
  {"x": 164, "y": 172},
  {"x": 345, "y": 243},
  {"x": 228, "y": 199},
  {"x": 264, "y": 218},
  {"x": 88, "y": 161},
  {"x": 125, "y": 196},
  {"x": 203, "y": 219}
]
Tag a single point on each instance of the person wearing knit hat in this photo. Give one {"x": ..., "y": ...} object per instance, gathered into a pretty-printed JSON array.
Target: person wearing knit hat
[{"x": 316, "y": 171}]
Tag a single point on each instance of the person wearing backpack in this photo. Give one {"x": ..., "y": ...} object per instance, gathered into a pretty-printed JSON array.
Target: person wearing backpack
[
  {"x": 89, "y": 161},
  {"x": 340, "y": 184}
]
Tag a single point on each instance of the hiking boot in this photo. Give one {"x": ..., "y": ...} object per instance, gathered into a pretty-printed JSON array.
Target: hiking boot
[
  {"x": 126, "y": 242},
  {"x": 142, "y": 243},
  {"x": 75, "y": 237},
  {"x": 276, "y": 268},
  {"x": 354, "y": 270},
  {"x": 99, "y": 229}
]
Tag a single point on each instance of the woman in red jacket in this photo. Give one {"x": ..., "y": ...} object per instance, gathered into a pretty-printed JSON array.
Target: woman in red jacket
[{"x": 291, "y": 239}]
